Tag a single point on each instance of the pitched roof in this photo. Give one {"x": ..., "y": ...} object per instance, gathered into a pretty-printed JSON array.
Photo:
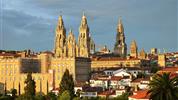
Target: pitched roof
[
  {"x": 142, "y": 94},
  {"x": 169, "y": 69},
  {"x": 116, "y": 78}
]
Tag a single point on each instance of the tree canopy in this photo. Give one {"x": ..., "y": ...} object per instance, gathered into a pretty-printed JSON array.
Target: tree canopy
[
  {"x": 67, "y": 83},
  {"x": 30, "y": 86},
  {"x": 164, "y": 87}
]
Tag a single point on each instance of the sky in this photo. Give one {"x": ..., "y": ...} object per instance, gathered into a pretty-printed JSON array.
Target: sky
[{"x": 31, "y": 24}]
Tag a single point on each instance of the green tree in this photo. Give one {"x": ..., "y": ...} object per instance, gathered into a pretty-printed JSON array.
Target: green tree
[
  {"x": 163, "y": 87},
  {"x": 14, "y": 93},
  {"x": 67, "y": 83},
  {"x": 154, "y": 69},
  {"x": 6, "y": 97},
  {"x": 30, "y": 87},
  {"x": 40, "y": 96},
  {"x": 21, "y": 97},
  {"x": 51, "y": 96},
  {"x": 76, "y": 98},
  {"x": 65, "y": 95}
]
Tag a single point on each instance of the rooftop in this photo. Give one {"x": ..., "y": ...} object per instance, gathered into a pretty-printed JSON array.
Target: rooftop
[{"x": 142, "y": 94}]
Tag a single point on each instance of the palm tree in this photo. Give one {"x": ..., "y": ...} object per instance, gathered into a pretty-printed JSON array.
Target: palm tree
[{"x": 163, "y": 87}]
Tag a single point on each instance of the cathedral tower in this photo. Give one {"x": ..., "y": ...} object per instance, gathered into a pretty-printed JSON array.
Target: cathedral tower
[
  {"x": 120, "y": 47},
  {"x": 142, "y": 54},
  {"x": 71, "y": 45},
  {"x": 133, "y": 49},
  {"x": 84, "y": 39},
  {"x": 60, "y": 37}
]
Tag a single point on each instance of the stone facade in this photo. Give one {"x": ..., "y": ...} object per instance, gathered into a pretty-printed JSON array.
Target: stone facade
[
  {"x": 78, "y": 67},
  {"x": 102, "y": 63},
  {"x": 13, "y": 73}
]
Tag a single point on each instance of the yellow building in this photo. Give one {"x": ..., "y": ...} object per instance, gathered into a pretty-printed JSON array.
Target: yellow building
[
  {"x": 12, "y": 72},
  {"x": 161, "y": 60},
  {"x": 101, "y": 63},
  {"x": 78, "y": 67}
]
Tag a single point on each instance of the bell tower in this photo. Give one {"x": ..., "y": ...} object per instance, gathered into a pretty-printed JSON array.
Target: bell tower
[
  {"x": 60, "y": 38},
  {"x": 84, "y": 39},
  {"x": 120, "y": 47}
]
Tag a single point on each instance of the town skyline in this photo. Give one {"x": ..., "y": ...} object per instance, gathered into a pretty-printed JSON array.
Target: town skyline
[{"x": 103, "y": 24}]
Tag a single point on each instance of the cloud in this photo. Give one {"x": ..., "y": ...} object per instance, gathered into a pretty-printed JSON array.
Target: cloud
[
  {"x": 21, "y": 30},
  {"x": 144, "y": 21}
]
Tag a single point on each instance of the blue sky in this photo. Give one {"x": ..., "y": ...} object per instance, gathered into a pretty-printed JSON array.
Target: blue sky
[{"x": 31, "y": 23}]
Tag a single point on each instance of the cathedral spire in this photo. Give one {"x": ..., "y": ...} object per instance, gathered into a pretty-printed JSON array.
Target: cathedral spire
[
  {"x": 70, "y": 31},
  {"x": 84, "y": 20},
  {"x": 60, "y": 38},
  {"x": 60, "y": 22},
  {"x": 120, "y": 27},
  {"x": 142, "y": 54},
  {"x": 71, "y": 34}
]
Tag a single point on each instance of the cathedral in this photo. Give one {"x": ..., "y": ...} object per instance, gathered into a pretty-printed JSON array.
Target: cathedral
[{"x": 67, "y": 46}]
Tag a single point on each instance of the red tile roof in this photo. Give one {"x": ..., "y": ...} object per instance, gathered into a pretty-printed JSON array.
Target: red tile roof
[
  {"x": 116, "y": 78},
  {"x": 142, "y": 94},
  {"x": 8, "y": 54},
  {"x": 169, "y": 70}
]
